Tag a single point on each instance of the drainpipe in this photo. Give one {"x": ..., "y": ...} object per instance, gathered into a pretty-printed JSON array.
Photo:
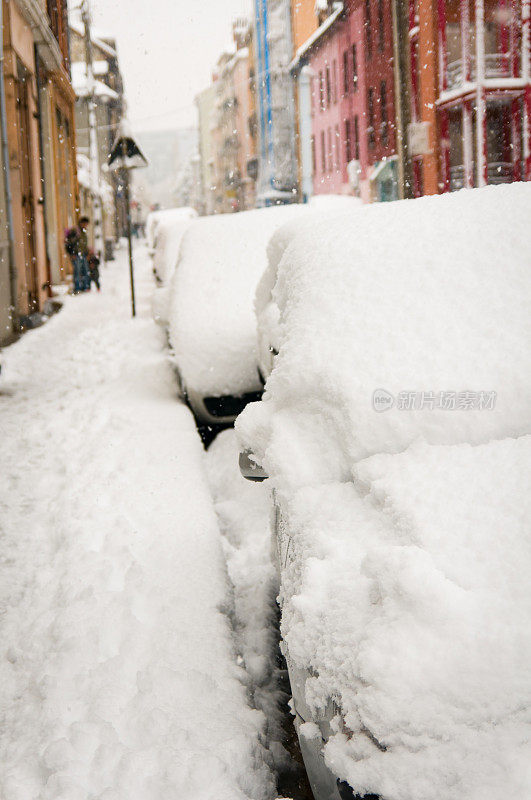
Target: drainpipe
[
  {"x": 305, "y": 131},
  {"x": 402, "y": 78},
  {"x": 481, "y": 143},
  {"x": 526, "y": 76},
  {"x": 7, "y": 184}
]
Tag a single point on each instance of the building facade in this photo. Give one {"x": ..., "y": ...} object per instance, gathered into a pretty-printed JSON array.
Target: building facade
[
  {"x": 20, "y": 80},
  {"x": 110, "y": 108},
  {"x": 276, "y": 113},
  {"x": 57, "y": 127},
  {"x": 346, "y": 68},
  {"x": 39, "y": 196},
  {"x": 470, "y": 93},
  {"x": 232, "y": 139}
]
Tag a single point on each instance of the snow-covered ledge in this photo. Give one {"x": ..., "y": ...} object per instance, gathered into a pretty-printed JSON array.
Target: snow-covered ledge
[{"x": 39, "y": 23}]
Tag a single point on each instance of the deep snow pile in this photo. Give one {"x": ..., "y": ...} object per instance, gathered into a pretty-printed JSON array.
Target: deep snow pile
[
  {"x": 118, "y": 673},
  {"x": 212, "y": 324},
  {"x": 405, "y": 557},
  {"x": 243, "y": 510}
]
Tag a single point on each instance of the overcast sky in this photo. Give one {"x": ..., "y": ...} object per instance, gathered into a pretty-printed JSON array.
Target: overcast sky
[{"x": 167, "y": 50}]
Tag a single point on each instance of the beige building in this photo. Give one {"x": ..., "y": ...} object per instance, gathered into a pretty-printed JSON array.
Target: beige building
[
  {"x": 233, "y": 142},
  {"x": 110, "y": 108},
  {"x": 42, "y": 180}
]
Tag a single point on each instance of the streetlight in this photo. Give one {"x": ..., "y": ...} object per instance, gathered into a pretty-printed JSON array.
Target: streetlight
[{"x": 126, "y": 155}]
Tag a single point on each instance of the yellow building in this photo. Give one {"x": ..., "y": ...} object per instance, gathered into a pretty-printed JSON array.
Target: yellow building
[{"x": 41, "y": 144}]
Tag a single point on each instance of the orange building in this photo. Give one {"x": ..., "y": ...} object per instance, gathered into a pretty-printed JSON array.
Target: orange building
[
  {"x": 24, "y": 160},
  {"x": 304, "y": 21},
  {"x": 41, "y": 144}
]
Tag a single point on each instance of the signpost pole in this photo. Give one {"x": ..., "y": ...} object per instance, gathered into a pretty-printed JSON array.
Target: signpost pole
[
  {"x": 126, "y": 155},
  {"x": 125, "y": 173},
  {"x": 129, "y": 240}
]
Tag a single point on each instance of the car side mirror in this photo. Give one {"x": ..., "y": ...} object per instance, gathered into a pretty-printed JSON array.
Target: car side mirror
[{"x": 249, "y": 469}]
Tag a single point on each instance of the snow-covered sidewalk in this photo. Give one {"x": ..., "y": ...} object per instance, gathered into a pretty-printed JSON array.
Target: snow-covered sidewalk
[{"x": 118, "y": 678}]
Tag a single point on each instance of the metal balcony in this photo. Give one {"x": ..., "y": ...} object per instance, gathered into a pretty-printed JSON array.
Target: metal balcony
[
  {"x": 497, "y": 172},
  {"x": 497, "y": 65}
]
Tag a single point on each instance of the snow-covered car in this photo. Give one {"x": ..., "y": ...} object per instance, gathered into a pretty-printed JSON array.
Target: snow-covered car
[
  {"x": 212, "y": 325},
  {"x": 320, "y": 209},
  {"x": 395, "y": 430},
  {"x": 165, "y": 230}
]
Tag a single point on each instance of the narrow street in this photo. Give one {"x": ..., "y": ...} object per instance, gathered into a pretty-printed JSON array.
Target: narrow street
[{"x": 118, "y": 670}]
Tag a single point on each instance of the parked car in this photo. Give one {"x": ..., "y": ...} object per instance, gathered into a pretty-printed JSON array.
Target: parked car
[
  {"x": 165, "y": 230},
  {"x": 211, "y": 319},
  {"x": 395, "y": 430}
]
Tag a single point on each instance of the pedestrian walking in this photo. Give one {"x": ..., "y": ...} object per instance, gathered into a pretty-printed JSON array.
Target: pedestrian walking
[
  {"x": 76, "y": 246},
  {"x": 94, "y": 269}
]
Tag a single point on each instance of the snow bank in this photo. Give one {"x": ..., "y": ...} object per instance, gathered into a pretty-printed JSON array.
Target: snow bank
[
  {"x": 118, "y": 673},
  {"x": 212, "y": 324},
  {"x": 243, "y": 511},
  {"x": 404, "y": 589},
  {"x": 407, "y": 593}
]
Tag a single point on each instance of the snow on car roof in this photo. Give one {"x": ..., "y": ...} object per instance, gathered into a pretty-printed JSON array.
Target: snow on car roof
[
  {"x": 403, "y": 541},
  {"x": 167, "y": 231},
  {"x": 212, "y": 324},
  {"x": 420, "y": 308}
]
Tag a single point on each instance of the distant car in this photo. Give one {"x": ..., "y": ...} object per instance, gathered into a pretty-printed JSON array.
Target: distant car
[
  {"x": 211, "y": 319},
  {"x": 395, "y": 428},
  {"x": 165, "y": 230}
]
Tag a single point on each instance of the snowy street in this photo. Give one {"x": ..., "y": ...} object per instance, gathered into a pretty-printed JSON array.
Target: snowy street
[{"x": 118, "y": 670}]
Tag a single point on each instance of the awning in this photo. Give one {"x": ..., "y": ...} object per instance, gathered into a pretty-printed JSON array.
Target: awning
[{"x": 381, "y": 166}]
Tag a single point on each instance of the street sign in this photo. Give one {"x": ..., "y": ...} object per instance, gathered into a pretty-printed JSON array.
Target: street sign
[
  {"x": 418, "y": 138},
  {"x": 126, "y": 155}
]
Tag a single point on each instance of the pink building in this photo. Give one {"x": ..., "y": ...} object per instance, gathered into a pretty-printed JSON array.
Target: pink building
[{"x": 349, "y": 58}]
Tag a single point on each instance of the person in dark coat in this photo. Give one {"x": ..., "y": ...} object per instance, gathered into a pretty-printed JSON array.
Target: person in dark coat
[{"x": 76, "y": 246}]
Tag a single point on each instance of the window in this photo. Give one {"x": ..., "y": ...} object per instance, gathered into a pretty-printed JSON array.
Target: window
[
  {"x": 323, "y": 153},
  {"x": 345, "y": 73},
  {"x": 381, "y": 32},
  {"x": 334, "y": 81},
  {"x": 356, "y": 138},
  {"x": 368, "y": 31},
  {"x": 348, "y": 143},
  {"x": 330, "y": 164},
  {"x": 354, "y": 67},
  {"x": 321, "y": 91},
  {"x": 328, "y": 87},
  {"x": 383, "y": 110},
  {"x": 370, "y": 130},
  {"x": 338, "y": 148}
]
